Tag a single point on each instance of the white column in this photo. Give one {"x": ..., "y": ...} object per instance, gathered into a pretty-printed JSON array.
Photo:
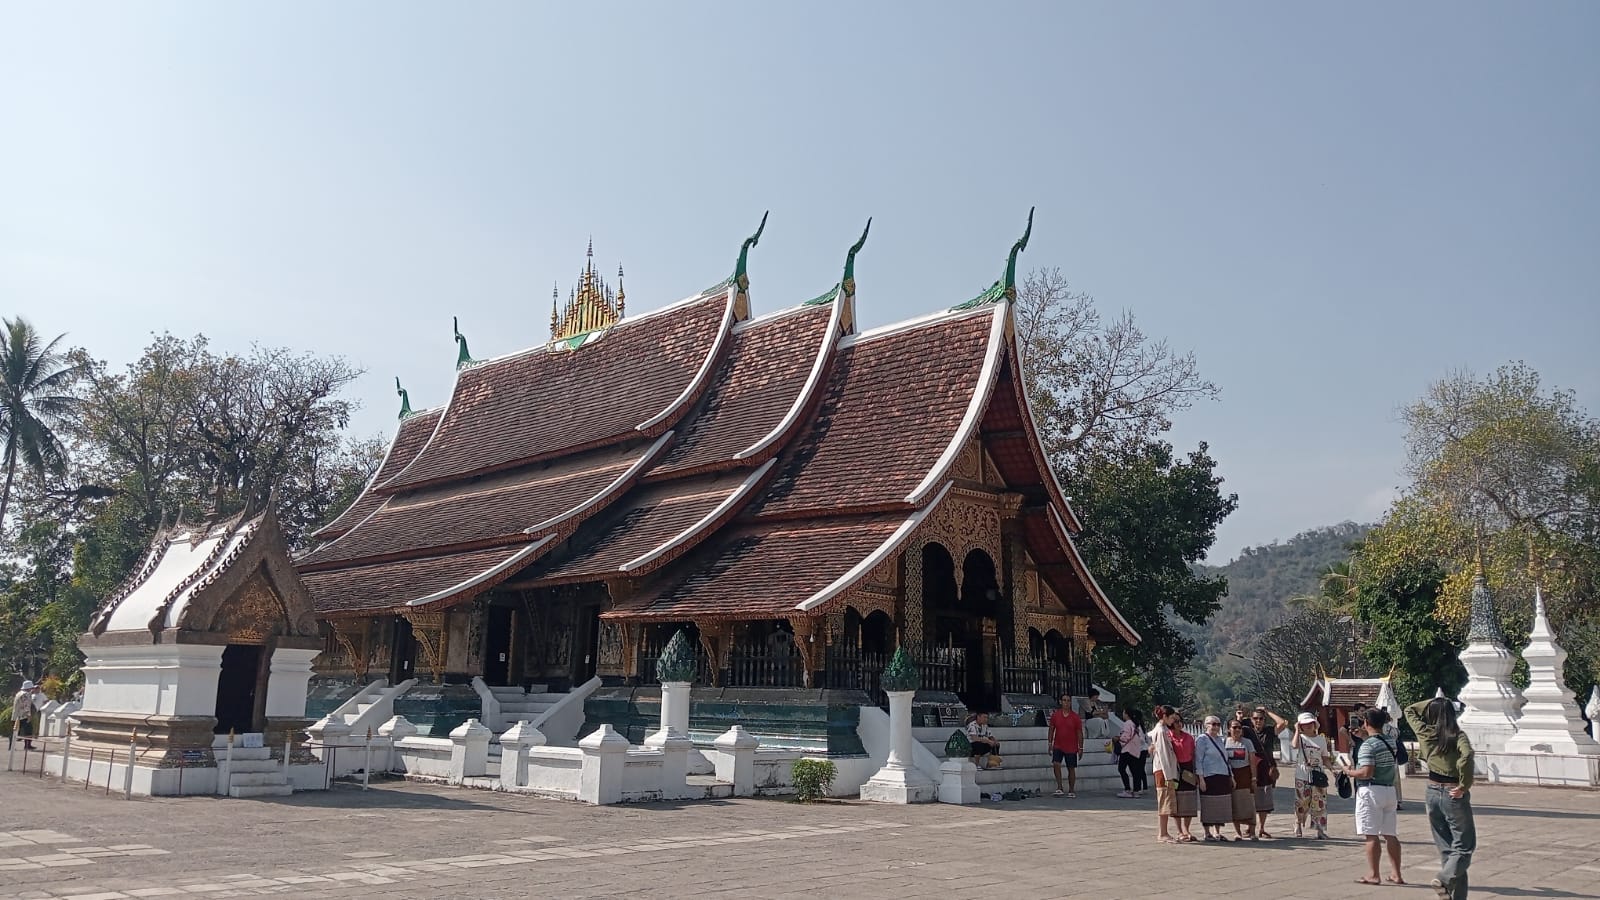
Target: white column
[
  {"x": 899, "y": 781},
  {"x": 736, "y": 760},
  {"x": 674, "y": 709},
  {"x": 605, "y": 753},
  {"x": 958, "y": 781},
  {"x": 393, "y": 731},
  {"x": 287, "y": 682},
  {"x": 469, "y": 751},
  {"x": 514, "y": 746}
]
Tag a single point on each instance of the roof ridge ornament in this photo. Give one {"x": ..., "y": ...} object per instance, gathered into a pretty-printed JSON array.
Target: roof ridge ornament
[
  {"x": 845, "y": 290},
  {"x": 405, "y": 400},
  {"x": 847, "y": 284},
  {"x": 463, "y": 355},
  {"x": 1005, "y": 288}
]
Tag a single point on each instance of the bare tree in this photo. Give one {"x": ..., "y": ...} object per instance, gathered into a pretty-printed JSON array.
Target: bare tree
[{"x": 1096, "y": 384}]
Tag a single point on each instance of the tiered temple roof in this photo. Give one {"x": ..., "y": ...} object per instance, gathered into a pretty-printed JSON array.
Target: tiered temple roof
[{"x": 713, "y": 464}]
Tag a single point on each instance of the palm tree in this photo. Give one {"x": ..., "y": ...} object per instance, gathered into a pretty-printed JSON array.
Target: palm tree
[{"x": 35, "y": 397}]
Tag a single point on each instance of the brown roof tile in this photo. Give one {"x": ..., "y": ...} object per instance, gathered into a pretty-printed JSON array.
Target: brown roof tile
[
  {"x": 892, "y": 405},
  {"x": 408, "y": 440},
  {"x": 495, "y": 507},
  {"x": 546, "y": 401},
  {"x": 763, "y": 570},
  {"x": 654, "y": 515},
  {"x": 391, "y": 585},
  {"x": 767, "y": 367}
]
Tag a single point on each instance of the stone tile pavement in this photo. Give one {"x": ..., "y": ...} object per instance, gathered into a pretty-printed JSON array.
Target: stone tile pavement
[{"x": 408, "y": 840}]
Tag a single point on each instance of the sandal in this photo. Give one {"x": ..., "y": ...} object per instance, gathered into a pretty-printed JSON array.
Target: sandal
[
  {"x": 1268, "y": 835},
  {"x": 1164, "y": 839},
  {"x": 1393, "y": 880},
  {"x": 1363, "y": 880},
  {"x": 1061, "y": 793}
]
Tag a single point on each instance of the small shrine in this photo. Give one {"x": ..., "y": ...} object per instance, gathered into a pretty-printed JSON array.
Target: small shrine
[
  {"x": 210, "y": 641},
  {"x": 1334, "y": 700}
]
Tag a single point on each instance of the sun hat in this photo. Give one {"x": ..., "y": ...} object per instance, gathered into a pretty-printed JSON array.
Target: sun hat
[
  {"x": 27, "y": 685},
  {"x": 1307, "y": 719}
]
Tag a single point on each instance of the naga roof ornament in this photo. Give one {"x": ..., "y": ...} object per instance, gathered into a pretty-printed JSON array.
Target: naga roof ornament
[
  {"x": 591, "y": 306},
  {"x": 1006, "y": 288},
  {"x": 463, "y": 355},
  {"x": 405, "y": 400}
]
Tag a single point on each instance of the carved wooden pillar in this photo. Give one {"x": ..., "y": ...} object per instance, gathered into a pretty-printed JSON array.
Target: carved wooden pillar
[
  {"x": 811, "y": 639},
  {"x": 632, "y": 634},
  {"x": 352, "y": 635},
  {"x": 717, "y": 639},
  {"x": 428, "y": 628}
]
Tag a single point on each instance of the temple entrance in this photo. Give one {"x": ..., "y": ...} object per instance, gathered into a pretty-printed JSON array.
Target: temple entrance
[
  {"x": 497, "y": 633},
  {"x": 403, "y": 661},
  {"x": 237, "y": 687},
  {"x": 587, "y": 635}
]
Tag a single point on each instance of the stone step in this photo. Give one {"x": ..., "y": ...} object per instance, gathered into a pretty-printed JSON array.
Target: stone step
[
  {"x": 265, "y": 790},
  {"x": 253, "y": 766},
  {"x": 246, "y": 753},
  {"x": 256, "y": 779}
]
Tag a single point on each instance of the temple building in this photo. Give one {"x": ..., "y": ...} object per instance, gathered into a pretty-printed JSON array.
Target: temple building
[{"x": 800, "y": 496}]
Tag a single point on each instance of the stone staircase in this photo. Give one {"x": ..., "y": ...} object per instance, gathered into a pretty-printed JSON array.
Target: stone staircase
[
  {"x": 517, "y": 704},
  {"x": 368, "y": 698},
  {"x": 253, "y": 772},
  {"x": 1026, "y": 754}
]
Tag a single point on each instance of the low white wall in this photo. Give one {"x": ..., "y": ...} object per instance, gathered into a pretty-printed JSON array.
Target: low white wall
[
  {"x": 642, "y": 774},
  {"x": 423, "y": 756},
  {"x": 554, "y": 770},
  {"x": 1543, "y": 769}
]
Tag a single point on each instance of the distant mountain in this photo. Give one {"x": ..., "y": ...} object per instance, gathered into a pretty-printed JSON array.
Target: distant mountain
[{"x": 1261, "y": 581}]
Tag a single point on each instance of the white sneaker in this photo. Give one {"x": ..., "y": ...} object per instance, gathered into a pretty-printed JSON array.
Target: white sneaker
[{"x": 1126, "y": 795}]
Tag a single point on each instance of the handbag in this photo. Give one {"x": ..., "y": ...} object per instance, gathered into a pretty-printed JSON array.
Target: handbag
[
  {"x": 1345, "y": 787},
  {"x": 1319, "y": 778}
]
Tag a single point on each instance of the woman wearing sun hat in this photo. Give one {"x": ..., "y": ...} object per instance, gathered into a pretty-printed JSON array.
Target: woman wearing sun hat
[{"x": 1311, "y": 762}]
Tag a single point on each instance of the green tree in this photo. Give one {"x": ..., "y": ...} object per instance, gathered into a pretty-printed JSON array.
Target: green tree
[
  {"x": 1149, "y": 516},
  {"x": 36, "y": 398},
  {"x": 1397, "y": 599}
]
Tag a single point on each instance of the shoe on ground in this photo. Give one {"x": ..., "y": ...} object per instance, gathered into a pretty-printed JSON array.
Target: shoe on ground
[
  {"x": 1072, "y": 795},
  {"x": 1126, "y": 795},
  {"x": 1440, "y": 888},
  {"x": 1060, "y": 793}
]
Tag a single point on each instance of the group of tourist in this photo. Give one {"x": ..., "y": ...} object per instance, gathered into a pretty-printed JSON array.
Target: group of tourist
[{"x": 1227, "y": 775}]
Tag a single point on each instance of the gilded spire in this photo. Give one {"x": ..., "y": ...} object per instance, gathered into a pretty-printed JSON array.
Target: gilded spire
[{"x": 591, "y": 305}]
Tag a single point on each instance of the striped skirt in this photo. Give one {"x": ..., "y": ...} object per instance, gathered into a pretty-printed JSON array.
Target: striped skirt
[{"x": 1216, "y": 801}]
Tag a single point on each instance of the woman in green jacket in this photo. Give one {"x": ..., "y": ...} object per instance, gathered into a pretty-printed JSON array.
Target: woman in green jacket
[{"x": 1447, "y": 754}]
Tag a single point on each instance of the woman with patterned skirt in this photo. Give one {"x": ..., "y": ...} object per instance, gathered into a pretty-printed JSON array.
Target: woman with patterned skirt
[
  {"x": 1311, "y": 762},
  {"x": 1241, "y": 752}
]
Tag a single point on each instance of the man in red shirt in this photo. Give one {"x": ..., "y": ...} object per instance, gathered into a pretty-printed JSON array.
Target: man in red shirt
[{"x": 1066, "y": 743}]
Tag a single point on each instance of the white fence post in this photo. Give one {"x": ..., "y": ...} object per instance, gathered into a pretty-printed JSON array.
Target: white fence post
[
  {"x": 605, "y": 753},
  {"x": 736, "y": 760},
  {"x": 469, "y": 751}
]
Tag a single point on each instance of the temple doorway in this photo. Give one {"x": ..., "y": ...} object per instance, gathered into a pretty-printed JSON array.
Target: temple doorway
[
  {"x": 237, "y": 688},
  {"x": 587, "y": 635},
  {"x": 497, "y": 644},
  {"x": 403, "y": 662}
]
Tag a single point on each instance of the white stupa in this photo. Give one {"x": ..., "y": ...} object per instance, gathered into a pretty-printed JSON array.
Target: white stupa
[
  {"x": 1593, "y": 711},
  {"x": 1550, "y": 721},
  {"x": 1492, "y": 701}
]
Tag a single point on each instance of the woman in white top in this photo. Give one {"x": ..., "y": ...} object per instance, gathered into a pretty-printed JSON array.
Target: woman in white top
[
  {"x": 1130, "y": 759},
  {"x": 1167, "y": 774},
  {"x": 1311, "y": 762}
]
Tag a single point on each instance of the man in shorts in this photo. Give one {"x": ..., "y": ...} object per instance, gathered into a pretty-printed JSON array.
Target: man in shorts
[
  {"x": 1376, "y": 820},
  {"x": 1066, "y": 744}
]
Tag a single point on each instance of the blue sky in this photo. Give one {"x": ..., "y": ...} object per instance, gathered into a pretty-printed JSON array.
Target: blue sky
[{"x": 1332, "y": 206}]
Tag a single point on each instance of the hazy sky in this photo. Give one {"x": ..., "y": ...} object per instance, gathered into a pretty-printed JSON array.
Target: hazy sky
[{"x": 1332, "y": 205}]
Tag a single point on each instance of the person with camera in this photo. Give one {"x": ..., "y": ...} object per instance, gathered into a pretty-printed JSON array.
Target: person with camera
[{"x": 1377, "y": 820}]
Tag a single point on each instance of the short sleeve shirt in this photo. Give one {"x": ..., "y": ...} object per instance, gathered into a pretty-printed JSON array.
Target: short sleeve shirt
[
  {"x": 1376, "y": 752},
  {"x": 1069, "y": 731},
  {"x": 974, "y": 730},
  {"x": 1238, "y": 752}
]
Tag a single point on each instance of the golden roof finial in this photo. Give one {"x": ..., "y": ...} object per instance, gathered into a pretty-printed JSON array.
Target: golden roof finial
[
  {"x": 621, "y": 297},
  {"x": 591, "y": 305}
]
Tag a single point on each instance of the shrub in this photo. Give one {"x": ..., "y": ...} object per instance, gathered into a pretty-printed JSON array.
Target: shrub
[{"x": 813, "y": 778}]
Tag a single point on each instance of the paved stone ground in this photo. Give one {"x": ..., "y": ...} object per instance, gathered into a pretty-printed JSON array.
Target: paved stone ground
[{"x": 409, "y": 840}]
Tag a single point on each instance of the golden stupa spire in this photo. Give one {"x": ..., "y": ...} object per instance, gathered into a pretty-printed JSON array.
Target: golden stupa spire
[{"x": 591, "y": 306}]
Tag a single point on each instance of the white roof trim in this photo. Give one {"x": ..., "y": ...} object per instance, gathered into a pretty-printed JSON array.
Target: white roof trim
[
  {"x": 723, "y": 331},
  {"x": 552, "y": 346},
  {"x": 909, "y": 324},
  {"x": 644, "y": 460},
  {"x": 352, "y": 529},
  {"x": 1033, "y": 436},
  {"x": 373, "y": 478},
  {"x": 1084, "y": 567},
  {"x": 444, "y": 413},
  {"x": 485, "y": 575},
  {"x": 873, "y": 558},
  {"x": 980, "y": 400},
  {"x": 818, "y": 365},
  {"x": 727, "y": 503}
]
